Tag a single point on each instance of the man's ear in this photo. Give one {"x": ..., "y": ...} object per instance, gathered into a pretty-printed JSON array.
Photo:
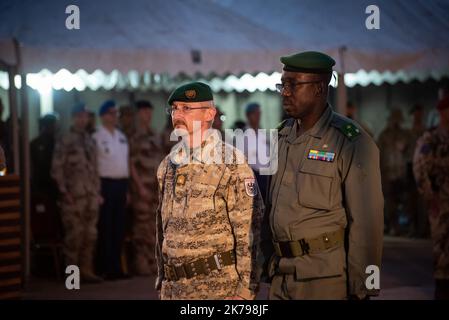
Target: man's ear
[
  {"x": 210, "y": 114},
  {"x": 319, "y": 89}
]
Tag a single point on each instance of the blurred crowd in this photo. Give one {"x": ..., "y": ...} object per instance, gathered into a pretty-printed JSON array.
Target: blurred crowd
[{"x": 94, "y": 188}]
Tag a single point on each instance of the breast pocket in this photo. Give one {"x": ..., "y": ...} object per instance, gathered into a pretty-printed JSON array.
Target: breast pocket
[
  {"x": 201, "y": 194},
  {"x": 314, "y": 184}
]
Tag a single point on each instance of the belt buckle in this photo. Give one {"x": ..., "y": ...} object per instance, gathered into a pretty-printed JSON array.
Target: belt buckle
[
  {"x": 217, "y": 259},
  {"x": 207, "y": 268},
  {"x": 171, "y": 273}
]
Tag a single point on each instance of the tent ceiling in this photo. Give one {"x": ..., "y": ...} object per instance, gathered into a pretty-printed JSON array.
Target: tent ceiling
[{"x": 230, "y": 36}]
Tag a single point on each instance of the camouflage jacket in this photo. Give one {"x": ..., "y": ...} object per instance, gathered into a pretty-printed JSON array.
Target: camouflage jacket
[
  {"x": 145, "y": 155},
  {"x": 74, "y": 165},
  {"x": 431, "y": 169},
  {"x": 207, "y": 208}
]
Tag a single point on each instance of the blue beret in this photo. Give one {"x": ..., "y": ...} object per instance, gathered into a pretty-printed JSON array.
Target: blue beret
[
  {"x": 108, "y": 104},
  {"x": 78, "y": 108},
  {"x": 250, "y": 107}
]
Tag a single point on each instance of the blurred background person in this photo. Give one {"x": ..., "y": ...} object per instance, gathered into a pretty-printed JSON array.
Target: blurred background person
[
  {"x": 419, "y": 225},
  {"x": 431, "y": 169},
  {"x": 352, "y": 113},
  {"x": 167, "y": 144},
  {"x": 41, "y": 152},
  {"x": 256, "y": 146},
  {"x": 392, "y": 143},
  {"x": 92, "y": 123},
  {"x": 145, "y": 155},
  {"x": 443, "y": 90},
  {"x": 75, "y": 171},
  {"x": 239, "y": 124},
  {"x": 113, "y": 167},
  {"x": 126, "y": 121}
]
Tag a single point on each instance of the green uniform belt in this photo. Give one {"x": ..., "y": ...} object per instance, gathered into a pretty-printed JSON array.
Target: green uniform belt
[
  {"x": 297, "y": 248},
  {"x": 200, "y": 266}
]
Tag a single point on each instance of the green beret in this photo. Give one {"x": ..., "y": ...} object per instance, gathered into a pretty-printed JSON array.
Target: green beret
[
  {"x": 308, "y": 62},
  {"x": 191, "y": 92}
]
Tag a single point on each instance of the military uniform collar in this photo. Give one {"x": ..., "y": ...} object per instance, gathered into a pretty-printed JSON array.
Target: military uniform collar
[
  {"x": 317, "y": 131},
  {"x": 320, "y": 128}
]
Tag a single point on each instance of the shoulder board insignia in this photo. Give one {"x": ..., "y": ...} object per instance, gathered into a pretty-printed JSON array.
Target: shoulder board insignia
[{"x": 350, "y": 131}]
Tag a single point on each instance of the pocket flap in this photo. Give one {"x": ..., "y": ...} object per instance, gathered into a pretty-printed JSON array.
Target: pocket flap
[
  {"x": 319, "y": 168},
  {"x": 328, "y": 264}
]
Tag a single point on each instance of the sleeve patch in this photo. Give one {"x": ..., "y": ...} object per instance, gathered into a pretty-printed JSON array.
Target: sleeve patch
[{"x": 251, "y": 187}]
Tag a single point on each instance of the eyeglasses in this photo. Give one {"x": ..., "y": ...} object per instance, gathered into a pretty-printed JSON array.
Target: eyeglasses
[
  {"x": 288, "y": 86},
  {"x": 184, "y": 109}
]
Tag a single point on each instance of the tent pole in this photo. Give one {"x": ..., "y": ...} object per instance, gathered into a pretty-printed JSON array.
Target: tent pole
[
  {"x": 12, "y": 94},
  {"x": 12, "y": 97},
  {"x": 25, "y": 176},
  {"x": 341, "y": 89}
]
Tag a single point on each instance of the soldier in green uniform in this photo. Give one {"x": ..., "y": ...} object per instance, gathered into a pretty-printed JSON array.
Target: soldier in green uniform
[
  {"x": 325, "y": 201},
  {"x": 210, "y": 209},
  {"x": 431, "y": 169}
]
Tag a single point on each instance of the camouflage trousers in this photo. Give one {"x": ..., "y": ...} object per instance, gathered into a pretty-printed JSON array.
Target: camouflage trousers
[
  {"x": 217, "y": 285},
  {"x": 144, "y": 235},
  {"x": 80, "y": 231},
  {"x": 439, "y": 228}
]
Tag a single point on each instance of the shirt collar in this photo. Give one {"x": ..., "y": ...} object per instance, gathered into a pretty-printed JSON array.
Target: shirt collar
[{"x": 318, "y": 129}]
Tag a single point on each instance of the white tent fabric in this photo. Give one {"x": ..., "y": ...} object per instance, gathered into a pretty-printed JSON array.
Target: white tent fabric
[
  {"x": 413, "y": 35},
  {"x": 232, "y": 36},
  {"x": 142, "y": 35}
]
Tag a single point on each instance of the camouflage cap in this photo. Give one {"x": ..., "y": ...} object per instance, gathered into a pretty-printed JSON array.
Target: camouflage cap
[
  {"x": 308, "y": 62},
  {"x": 191, "y": 92}
]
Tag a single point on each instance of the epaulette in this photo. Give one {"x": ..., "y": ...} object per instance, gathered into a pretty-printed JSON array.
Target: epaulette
[{"x": 346, "y": 126}]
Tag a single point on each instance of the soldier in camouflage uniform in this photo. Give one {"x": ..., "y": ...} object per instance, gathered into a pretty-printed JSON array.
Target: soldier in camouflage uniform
[
  {"x": 126, "y": 121},
  {"x": 145, "y": 154},
  {"x": 74, "y": 169},
  {"x": 393, "y": 143},
  {"x": 209, "y": 213},
  {"x": 431, "y": 169}
]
